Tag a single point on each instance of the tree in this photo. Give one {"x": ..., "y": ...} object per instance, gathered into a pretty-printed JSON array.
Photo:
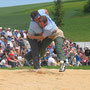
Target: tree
[
  {"x": 58, "y": 12},
  {"x": 87, "y": 7}
]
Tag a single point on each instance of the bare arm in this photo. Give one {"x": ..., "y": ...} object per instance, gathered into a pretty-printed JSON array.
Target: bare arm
[{"x": 36, "y": 37}]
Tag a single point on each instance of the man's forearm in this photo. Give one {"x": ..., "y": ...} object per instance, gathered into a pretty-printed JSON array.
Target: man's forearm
[{"x": 36, "y": 37}]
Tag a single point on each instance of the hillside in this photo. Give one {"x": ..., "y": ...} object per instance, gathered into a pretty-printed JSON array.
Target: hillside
[{"x": 76, "y": 24}]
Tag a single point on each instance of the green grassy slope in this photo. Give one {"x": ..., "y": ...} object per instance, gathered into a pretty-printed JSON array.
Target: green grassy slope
[
  {"x": 76, "y": 24},
  {"x": 18, "y": 17}
]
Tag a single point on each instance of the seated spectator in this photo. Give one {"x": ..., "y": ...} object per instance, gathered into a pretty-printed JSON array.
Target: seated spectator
[
  {"x": 51, "y": 61},
  {"x": 71, "y": 56},
  {"x": 21, "y": 33},
  {"x": 15, "y": 33},
  {"x": 7, "y": 49},
  {"x": 85, "y": 59},
  {"x": 11, "y": 60},
  {"x": 2, "y": 34},
  {"x": 2, "y": 42},
  {"x": 9, "y": 34},
  {"x": 89, "y": 60},
  {"x": 44, "y": 61},
  {"x": 0, "y": 29},
  {"x": 1, "y": 52},
  {"x": 25, "y": 34},
  {"x": 3, "y": 63},
  {"x": 22, "y": 46},
  {"x": 77, "y": 59},
  {"x": 21, "y": 61}
]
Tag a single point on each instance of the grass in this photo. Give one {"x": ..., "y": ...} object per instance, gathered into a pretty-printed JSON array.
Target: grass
[
  {"x": 69, "y": 67},
  {"x": 18, "y": 17},
  {"x": 76, "y": 23},
  {"x": 50, "y": 67}
]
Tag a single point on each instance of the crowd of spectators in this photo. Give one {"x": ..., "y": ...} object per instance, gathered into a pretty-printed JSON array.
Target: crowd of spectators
[
  {"x": 75, "y": 55},
  {"x": 14, "y": 45}
]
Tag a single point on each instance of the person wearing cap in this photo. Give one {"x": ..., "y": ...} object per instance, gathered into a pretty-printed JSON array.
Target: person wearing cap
[
  {"x": 50, "y": 32},
  {"x": 15, "y": 33},
  {"x": 11, "y": 60},
  {"x": 9, "y": 34}
]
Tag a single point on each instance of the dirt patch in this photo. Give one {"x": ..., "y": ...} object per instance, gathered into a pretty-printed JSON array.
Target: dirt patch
[{"x": 45, "y": 79}]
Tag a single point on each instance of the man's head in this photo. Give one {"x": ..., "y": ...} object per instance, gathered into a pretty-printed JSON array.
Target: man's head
[
  {"x": 42, "y": 21},
  {"x": 35, "y": 16}
]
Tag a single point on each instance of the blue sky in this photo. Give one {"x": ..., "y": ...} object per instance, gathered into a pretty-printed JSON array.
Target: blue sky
[{"x": 6, "y": 3}]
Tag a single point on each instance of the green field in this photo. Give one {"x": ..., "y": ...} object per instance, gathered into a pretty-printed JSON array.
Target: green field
[
  {"x": 50, "y": 67},
  {"x": 76, "y": 23}
]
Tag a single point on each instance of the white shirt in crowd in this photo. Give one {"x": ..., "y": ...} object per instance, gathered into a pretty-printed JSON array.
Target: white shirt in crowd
[
  {"x": 51, "y": 61},
  {"x": 3, "y": 62},
  {"x": 25, "y": 36},
  {"x": 8, "y": 33}
]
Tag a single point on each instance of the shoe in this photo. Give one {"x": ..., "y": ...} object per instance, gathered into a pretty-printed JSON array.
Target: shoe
[
  {"x": 36, "y": 70},
  {"x": 62, "y": 66}
]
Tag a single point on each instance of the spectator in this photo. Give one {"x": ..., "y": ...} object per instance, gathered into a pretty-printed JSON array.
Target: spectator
[
  {"x": 44, "y": 61},
  {"x": 71, "y": 58},
  {"x": 0, "y": 30},
  {"x": 89, "y": 60},
  {"x": 11, "y": 60},
  {"x": 51, "y": 61},
  {"x": 77, "y": 59},
  {"x": 2, "y": 42},
  {"x": 1, "y": 52},
  {"x": 9, "y": 34},
  {"x": 12, "y": 45},
  {"x": 3, "y": 63}
]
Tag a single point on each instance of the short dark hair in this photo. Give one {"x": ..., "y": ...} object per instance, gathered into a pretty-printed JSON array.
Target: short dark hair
[
  {"x": 34, "y": 14},
  {"x": 43, "y": 19}
]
